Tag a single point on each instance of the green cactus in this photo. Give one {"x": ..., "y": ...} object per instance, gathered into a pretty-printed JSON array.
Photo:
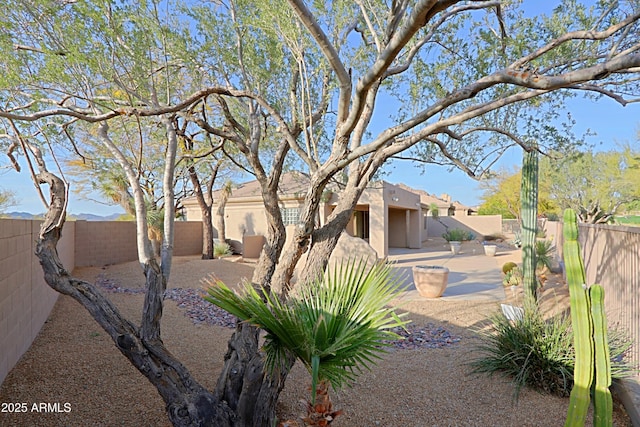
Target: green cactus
[
  {"x": 508, "y": 266},
  {"x": 589, "y": 335},
  {"x": 529, "y": 200},
  {"x": 602, "y": 400}
]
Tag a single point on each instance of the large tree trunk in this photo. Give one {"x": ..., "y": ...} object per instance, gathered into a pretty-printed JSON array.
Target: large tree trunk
[
  {"x": 207, "y": 233},
  {"x": 251, "y": 392},
  {"x": 205, "y": 210},
  {"x": 187, "y": 402},
  {"x": 225, "y": 193},
  {"x": 325, "y": 239}
]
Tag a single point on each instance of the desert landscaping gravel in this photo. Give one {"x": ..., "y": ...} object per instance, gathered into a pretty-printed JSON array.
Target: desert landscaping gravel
[{"x": 422, "y": 381}]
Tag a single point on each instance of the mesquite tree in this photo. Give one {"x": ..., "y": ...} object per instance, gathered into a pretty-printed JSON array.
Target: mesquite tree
[{"x": 286, "y": 82}]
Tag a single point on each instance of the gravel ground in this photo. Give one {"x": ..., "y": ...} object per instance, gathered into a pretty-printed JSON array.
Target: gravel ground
[{"x": 423, "y": 381}]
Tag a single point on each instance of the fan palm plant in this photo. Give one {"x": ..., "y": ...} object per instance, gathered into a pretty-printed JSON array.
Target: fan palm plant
[{"x": 336, "y": 325}]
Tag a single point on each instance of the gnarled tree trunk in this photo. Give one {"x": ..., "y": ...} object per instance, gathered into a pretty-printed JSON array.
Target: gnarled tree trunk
[{"x": 187, "y": 402}]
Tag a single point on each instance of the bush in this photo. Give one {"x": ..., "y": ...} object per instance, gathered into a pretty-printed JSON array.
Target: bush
[
  {"x": 222, "y": 249},
  {"x": 544, "y": 251},
  {"x": 539, "y": 353},
  {"x": 458, "y": 235}
]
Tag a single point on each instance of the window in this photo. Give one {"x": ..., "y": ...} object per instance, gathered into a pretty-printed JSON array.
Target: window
[{"x": 290, "y": 216}]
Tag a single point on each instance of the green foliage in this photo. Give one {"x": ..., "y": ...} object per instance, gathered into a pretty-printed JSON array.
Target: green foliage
[
  {"x": 631, "y": 219},
  {"x": 603, "y": 182},
  {"x": 539, "y": 353},
  {"x": 544, "y": 254},
  {"x": 335, "y": 326},
  {"x": 7, "y": 199},
  {"x": 433, "y": 209},
  {"x": 457, "y": 235},
  {"x": 513, "y": 277},
  {"x": 502, "y": 196},
  {"x": 534, "y": 352},
  {"x": 222, "y": 249}
]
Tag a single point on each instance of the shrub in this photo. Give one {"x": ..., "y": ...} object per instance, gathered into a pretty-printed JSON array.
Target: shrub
[
  {"x": 457, "y": 235},
  {"x": 544, "y": 251},
  {"x": 222, "y": 249},
  {"x": 538, "y": 353}
]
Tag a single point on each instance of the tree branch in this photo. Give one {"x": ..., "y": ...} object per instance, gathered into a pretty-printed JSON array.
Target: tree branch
[
  {"x": 328, "y": 50},
  {"x": 575, "y": 35},
  {"x": 415, "y": 49}
]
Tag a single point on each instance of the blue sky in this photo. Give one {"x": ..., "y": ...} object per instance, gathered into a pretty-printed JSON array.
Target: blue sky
[{"x": 611, "y": 123}]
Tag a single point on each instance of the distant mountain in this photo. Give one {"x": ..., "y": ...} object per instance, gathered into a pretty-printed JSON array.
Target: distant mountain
[
  {"x": 92, "y": 217},
  {"x": 82, "y": 216},
  {"x": 21, "y": 215}
]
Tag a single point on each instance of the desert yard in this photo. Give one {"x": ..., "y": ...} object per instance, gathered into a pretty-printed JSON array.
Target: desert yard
[{"x": 424, "y": 382}]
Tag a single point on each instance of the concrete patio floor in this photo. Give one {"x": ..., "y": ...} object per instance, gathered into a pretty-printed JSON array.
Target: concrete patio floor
[{"x": 472, "y": 274}]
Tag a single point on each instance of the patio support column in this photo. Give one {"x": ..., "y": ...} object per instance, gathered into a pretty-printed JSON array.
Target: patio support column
[
  {"x": 414, "y": 229},
  {"x": 379, "y": 226}
]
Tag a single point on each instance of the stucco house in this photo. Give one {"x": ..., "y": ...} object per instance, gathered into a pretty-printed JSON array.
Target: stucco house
[{"x": 387, "y": 215}]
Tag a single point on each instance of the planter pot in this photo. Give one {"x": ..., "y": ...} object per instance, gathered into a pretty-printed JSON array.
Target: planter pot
[
  {"x": 430, "y": 280},
  {"x": 455, "y": 247},
  {"x": 490, "y": 250}
]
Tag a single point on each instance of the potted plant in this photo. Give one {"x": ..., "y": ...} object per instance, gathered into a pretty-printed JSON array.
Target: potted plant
[
  {"x": 490, "y": 249},
  {"x": 455, "y": 237},
  {"x": 430, "y": 280}
]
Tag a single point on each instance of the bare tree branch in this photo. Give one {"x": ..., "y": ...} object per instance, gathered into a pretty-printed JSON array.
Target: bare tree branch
[
  {"x": 575, "y": 35},
  {"x": 329, "y": 51},
  {"x": 434, "y": 28}
]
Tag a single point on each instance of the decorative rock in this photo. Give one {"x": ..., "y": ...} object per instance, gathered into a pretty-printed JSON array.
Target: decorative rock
[
  {"x": 200, "y": 311},
  {"x": 348, "y": 247}
]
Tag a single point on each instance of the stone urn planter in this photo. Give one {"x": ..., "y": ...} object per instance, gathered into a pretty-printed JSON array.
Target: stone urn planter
[
  {"x": 430, "y": 280},
  {"x": 490, "y": 250},
  {"x": 455, "y": 246}
]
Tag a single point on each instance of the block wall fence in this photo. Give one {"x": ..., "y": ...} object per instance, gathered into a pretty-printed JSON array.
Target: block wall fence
[
  {"x": 611, "y": 255},
  {"x": 26, "y": 300}
]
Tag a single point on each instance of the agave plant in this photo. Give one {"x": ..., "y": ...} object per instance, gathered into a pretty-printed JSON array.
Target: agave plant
[
  {"x": 544, "y": 252},
  {"x": 336, "y": 325}
]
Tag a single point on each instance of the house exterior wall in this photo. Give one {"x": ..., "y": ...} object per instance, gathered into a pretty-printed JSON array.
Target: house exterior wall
[
  {"x": 394, "y": 217},
  {"x": 479, "y": 225},
  {"x": 397, "y": 228},
  {"x": 393, "y": 211}
]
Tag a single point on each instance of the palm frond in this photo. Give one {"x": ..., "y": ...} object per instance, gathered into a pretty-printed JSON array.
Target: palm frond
[{"x": 336, "y": 326}]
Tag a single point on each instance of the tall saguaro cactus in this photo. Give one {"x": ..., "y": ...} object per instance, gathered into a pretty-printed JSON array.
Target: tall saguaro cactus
[
  {"x": 529, "y": 223},
  {"x": 589, "y": 336}
]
